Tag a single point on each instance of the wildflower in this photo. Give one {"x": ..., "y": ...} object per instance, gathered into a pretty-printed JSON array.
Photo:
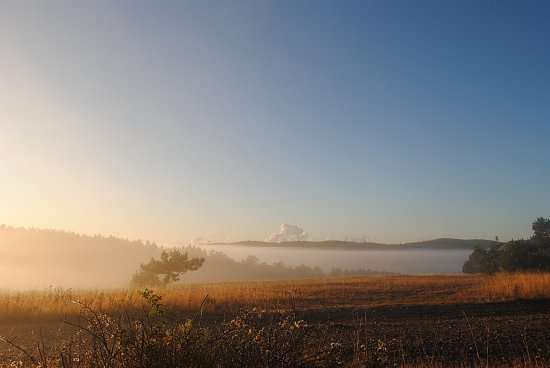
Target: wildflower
[{"x": 335, "y": 345}]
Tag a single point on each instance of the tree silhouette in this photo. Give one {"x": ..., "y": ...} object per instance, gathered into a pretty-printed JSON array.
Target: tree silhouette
[
  {"x": 482, "y": 261},
  {"x": 516, "y": 255},
  {"x": 541, "y": 230},
  {"x": 167, "y": 269}
]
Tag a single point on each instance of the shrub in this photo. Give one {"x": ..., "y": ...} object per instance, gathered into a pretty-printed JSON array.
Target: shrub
[{"x": 150, "y": 338}]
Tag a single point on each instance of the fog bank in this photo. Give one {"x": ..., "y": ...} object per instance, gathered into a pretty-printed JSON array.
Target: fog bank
[
  {"x": 32, "y": 258},
  {"x": 410, "y": 261}
]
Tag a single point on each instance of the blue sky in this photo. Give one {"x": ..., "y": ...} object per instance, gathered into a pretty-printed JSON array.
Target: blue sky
[{"x": 394, "y": 120}]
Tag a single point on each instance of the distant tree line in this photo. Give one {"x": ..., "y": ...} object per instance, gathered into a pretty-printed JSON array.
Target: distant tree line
[
  {"x": 217, "y": 266},
  {"x": 31, "y": 257},
  {"x": 517, "y": 255}
]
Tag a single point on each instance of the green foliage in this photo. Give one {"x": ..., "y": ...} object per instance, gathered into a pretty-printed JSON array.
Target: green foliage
[
  {"x": 523, "y": 255},
  {"x": 154, "y": 301},
  {"x": 160, "y": 272},
  {"x": 516, "y": 255},
  {"x": 541, "y": 230},
  {"x": 482, "y": 261}
]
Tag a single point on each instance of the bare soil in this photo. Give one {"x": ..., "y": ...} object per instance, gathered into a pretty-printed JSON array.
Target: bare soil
[
  {"x": 449, "y": 334},
  {"x": 495, "y": 333}
]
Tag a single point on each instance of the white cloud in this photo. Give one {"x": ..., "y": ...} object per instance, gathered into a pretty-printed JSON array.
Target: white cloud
[
  {"x": 204, "y": 239},
  {"x": 198, "y": 241},
  {"x": 288, "y": 233}
]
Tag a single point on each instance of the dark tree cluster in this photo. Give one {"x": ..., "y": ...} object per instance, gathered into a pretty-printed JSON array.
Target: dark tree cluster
[
  {"x": 168, "y": 268},
  {"x": 517, "y": 255}
]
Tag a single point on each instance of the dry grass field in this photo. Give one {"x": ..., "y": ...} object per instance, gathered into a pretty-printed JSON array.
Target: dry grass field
[
  {"x": 417, "y": 321},
  {"x": 310, "y": 294}
]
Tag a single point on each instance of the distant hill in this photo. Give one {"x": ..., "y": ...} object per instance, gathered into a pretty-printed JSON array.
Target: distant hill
[{"x": 442, "y": 243}]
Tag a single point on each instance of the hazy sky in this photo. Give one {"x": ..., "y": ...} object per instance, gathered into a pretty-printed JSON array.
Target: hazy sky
[{"x": 168, "y": 120}]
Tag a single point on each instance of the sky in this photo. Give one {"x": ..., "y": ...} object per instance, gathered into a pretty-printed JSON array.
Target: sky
[{"x": 391, "y": 121}]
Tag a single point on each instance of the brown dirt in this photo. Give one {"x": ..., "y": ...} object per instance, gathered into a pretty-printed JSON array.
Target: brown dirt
[
  {"x": 497, "y": 333},
  {"x": 425, "y": 319}
]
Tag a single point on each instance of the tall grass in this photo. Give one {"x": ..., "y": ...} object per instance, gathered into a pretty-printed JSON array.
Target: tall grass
[
  {"x": 261, "y": 326},
  {"x": 252, "y": 338},
  {"x": 313, "y": 294},
  {"x": 505, "y": 286},
  {"x": 149, "y": 338}
]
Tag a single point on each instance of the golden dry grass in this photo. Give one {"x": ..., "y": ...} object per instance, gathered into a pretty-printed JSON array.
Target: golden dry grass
[
  {"x": 314, "y": 294},
  {"x": 504, "y": 286}
]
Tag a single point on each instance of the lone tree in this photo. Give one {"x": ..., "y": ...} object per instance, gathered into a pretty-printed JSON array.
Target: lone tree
[{"x": 160, "y": 272}]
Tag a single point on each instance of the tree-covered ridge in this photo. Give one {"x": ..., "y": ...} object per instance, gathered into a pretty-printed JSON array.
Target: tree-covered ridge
[
  {"x": 32, "y": 257},
  {"x": 517, "y": 255},
  {"x": 43, "y": 258},
  {"x": 51, "y": 236}
]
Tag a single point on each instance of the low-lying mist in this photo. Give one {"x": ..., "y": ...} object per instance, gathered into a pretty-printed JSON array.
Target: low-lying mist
[
  {"x": 409, "y": 261},
  {"x": 32, "y": 258}
]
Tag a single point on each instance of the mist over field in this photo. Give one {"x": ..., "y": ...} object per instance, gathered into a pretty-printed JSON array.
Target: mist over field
[
  {"x": 32, "y": 258},
  {"x": 42, "y": 258},
  {"x": 289, "y": 183},
  {"x": 410, "y": 261}
]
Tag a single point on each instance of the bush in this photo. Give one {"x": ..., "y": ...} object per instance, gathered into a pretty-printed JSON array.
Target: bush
[{"x": 150, "y": 338}]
